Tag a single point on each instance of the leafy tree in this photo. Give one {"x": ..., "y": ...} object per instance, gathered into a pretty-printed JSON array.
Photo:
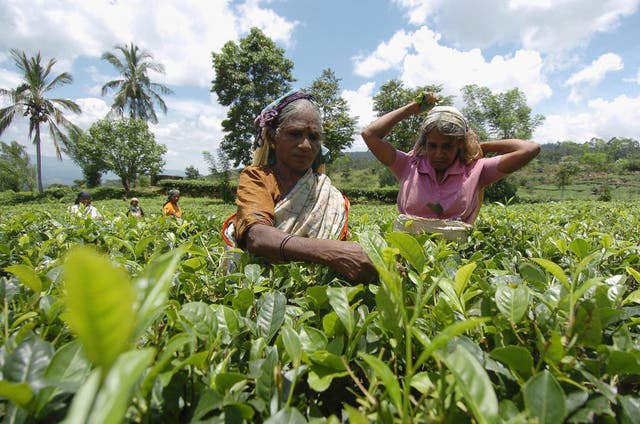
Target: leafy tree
[
  {"x": 393, "y": 95},
  {"x": 338, "y": 126},
  {"x": 623, "y": 148},
  {"x": 248, "y": 76},
  {"x": 501, "y": 191},
  {"x": 135, "y": 92},
  {"x": 29, "y": 99},
  {"x": 192, "y": 173},
  {"x": 567, "y": 168},
  {"x": 596, "y": 161},
  {"x": 16, "y": 171},
  {"x": 88, "y": 156},
  {"x": 498, "y": 116},
  {"x": 128, "y": 149}
]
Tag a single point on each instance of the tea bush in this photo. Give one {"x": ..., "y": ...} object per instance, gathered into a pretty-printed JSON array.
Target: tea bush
[{"x": 533, "y": 318}]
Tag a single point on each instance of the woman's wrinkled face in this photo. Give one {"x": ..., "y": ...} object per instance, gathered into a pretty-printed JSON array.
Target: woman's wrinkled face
[
  {"x": 298, "y": 140},
  {"x": 442, "y": 150}
]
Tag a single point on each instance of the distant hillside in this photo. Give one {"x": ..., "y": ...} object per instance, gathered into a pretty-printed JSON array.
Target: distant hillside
[
  {"x": 65, "y": 171},
  {"x": 360, "y": 155}
]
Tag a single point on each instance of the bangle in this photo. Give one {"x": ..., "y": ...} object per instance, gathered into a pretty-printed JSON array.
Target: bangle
[
  {"x": 284, "y": 241},
  {"x": 422, "y": 101}
]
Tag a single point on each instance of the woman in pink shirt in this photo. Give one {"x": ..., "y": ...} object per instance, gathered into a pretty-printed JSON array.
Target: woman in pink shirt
[{"x": 444, "y": 174}]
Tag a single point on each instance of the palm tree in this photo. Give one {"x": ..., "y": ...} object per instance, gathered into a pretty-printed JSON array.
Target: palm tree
[
  {"x": 29, "y": 100},
  {"x": 135, "y": 92}
]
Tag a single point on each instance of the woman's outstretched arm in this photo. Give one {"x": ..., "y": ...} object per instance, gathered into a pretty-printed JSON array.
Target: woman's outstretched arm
[{"x": 345, "y": 257}]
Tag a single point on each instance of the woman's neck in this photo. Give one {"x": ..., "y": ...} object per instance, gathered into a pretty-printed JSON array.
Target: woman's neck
[{"x": 286, "y": 177}]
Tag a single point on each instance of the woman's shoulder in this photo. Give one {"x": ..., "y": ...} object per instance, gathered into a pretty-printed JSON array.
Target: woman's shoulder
[{"x": 256, "y": 173}]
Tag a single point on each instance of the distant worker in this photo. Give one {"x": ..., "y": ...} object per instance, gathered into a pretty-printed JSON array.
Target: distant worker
[
  {"x": 170, "y": 207},
  {"x": 134, "y": 208},
  {"x": 83, "y": 207}
]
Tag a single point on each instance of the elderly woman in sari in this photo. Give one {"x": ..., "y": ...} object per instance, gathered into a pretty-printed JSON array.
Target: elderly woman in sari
[{"x": 287, "y": 208}]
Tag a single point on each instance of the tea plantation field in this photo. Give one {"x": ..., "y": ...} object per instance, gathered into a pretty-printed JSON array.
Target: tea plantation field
[{"x": 534, "y": 318}]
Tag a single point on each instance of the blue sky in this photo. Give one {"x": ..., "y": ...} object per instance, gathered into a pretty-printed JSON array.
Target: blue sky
[{"x": 577, "y": 61}]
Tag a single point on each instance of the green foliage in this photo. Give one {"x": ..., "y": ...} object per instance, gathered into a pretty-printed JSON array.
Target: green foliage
[
  {"x": 202, "y": 188},
  {"x": 338, "y": 128},
  {"x": 16, "y": 171},
  {"x": 499, "y": 116},
  {"x": 393, "y": 95},
  {"x": 532, "y": 318},
  {"x": 29, "y": 99},
  {"x": 248, "y": 76},
  {"x": 567, "y": 168},
  {"x": 126, "y": 147},
  {"x": 85, "y": 152},
  {"x": 501, "y": 191},
  {"x": 191, "y": 173},
  {"x": 135, "y": 92}
]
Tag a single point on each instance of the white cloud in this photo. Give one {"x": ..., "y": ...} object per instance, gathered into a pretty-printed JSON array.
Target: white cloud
[
  {"x": 422, "y": 60},
  {"x": 274, "y": 26},
  {"x": 539, "y": 25},
  {"x": 361, "y": 105},
  {"x": 596, "y": 71},
  {"x": 93, "y": 109},
  {"x": 181, "y": 34},
  {"x": 592, "y": 75},
  {"x": 419, "y": 10},
  {"x": 603, "y": 119},
  {"x": 387, "y": 55}
]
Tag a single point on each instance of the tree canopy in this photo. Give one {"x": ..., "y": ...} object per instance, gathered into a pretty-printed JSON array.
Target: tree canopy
[
  {"x": 135, "y": 93},
  {"x": 337, "y": 125},
  {"x": 16, "y": 171},
  {"x": 248, "y": 76},
  {"x": 30, "y": 99},
  {"x": 126, "y": 147},
  {"x": 499, "y": 116},
  {"x": 393, "y": 95}
]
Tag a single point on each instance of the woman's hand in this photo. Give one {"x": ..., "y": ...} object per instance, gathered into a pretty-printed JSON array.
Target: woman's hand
[
  {"x": 350, "y": 260},
  {"x": 426, "y": 100},
  {"x": 346, "y": 257}
]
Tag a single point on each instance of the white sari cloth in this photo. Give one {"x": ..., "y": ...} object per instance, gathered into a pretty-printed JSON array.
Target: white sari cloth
[{"x": 312, "y": 208}]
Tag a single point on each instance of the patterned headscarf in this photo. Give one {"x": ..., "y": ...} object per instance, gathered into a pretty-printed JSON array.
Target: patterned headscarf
[
  {"x": 268, "y": 116},
  {"x": 268, "y": 119},
  {"x": 447, "y": 119}
]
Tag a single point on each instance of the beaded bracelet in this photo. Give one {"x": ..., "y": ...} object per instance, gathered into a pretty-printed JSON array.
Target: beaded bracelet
[{"x": 284, "y": 241}]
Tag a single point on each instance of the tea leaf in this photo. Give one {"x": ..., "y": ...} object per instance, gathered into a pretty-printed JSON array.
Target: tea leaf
[
  {"x": 512, "y": 301},
  {"x": 271, "y": 314},
  {"x": 553, "y": 269},
  {"x": 114, "y": 396},
  {"x": 409, "y": 248},
  {"x": 473, "y": 384},
  {"x": 463, "y": 275},
  {"x": 544, "y": 398},
  {"x": 292, "y": 344},
  {"x": 388, "y": 378},
  {"x": 27, "y": 276},
  {"x": 517, "y": 358},
  {"x": 100, "y": 306},
  {"x": 339, "y": 300}
]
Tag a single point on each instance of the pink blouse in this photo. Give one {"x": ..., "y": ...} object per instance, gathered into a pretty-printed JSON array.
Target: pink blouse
[{"x": 457, "y": 196}]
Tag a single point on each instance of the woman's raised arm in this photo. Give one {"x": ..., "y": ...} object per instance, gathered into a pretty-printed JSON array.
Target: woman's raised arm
[{"x": 514, "y": 153}]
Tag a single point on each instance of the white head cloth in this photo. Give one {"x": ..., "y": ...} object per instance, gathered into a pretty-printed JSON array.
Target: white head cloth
[{"x": 447, "y": 119}]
